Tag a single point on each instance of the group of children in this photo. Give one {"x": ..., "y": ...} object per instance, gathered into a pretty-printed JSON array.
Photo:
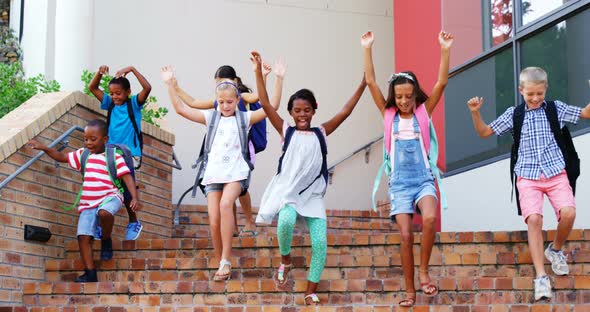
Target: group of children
[{"x": 299, "y": 186}]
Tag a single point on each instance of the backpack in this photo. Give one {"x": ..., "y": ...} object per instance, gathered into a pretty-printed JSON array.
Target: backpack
[
  {"x": 324, "y": 147},
  {"x": 257, "y": 134},
  {"x": 562, "y": 136},
  {"x": 430, "y": 141},
  {"x": 138, "y": 133},
  {"x": 111, "y": 150},
  {"x": 203, "y": 158}
]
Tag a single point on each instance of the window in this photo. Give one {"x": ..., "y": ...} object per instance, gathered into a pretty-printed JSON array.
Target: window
[
  {"x": 492, "y": 79},
  {"x": 533, "y": 9},
  {"x": 562, "y": 50}
]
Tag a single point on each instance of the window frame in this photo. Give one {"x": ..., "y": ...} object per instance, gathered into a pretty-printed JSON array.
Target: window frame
[{"x": 520, "y": 34}]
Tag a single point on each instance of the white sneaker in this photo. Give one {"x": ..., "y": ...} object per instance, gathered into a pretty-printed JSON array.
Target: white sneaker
[
  {"x": 558, "y": 261},
  {"x": 542, "y": 288}
]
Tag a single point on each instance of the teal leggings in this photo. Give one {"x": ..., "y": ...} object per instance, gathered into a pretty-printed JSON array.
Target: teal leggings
[{"x": 319, "y": 243}]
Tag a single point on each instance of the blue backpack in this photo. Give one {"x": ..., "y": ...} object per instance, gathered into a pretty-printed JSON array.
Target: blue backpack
[{"x": 257, "y": 134}]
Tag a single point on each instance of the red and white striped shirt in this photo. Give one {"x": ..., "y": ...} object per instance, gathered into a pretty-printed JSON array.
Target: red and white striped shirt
[{"x": 97, "y": 184}]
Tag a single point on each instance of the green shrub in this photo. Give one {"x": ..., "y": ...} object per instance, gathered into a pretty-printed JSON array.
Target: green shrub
[
  {"x": 148, "y": 114},
  {"x": 15, "y": 89}
]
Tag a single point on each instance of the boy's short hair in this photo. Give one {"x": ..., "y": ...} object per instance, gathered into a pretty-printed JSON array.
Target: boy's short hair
[
  {"x": 100, "y": 124},
  {"x": 532, "y": 74},
  {"x": 122, "y": 81}
]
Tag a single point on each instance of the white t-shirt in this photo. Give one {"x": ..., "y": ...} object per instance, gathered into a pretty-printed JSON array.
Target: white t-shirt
[
  {"x": 226, "y": 163},
  {"x": 406, "y": 132}
]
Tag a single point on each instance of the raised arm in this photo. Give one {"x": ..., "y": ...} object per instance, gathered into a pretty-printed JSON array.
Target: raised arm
[
  {"x": 192, "y": 102},
  {"x": 445, "y": 40},
  {"x": 95, "y": 82},
  {"x": 367, "y": 40},
  {"x": 482, "y": 129},
  {"x": 146, "y": 87},
  {"x": 273, "y": 116},
  {"x": 280, "y": 68},
  {"x": 333, "y": 123},
  {"x": 51, "y": 152},
  {"x": 186, "y": 112},
  {"x": 586, "y": 112}
]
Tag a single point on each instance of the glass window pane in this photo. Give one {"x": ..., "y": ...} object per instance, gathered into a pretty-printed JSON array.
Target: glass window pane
[
  {"x": 562, "y": 51},
  {"x": 533, "y": 9},
  {"x": 463, "y": 18},
  {"x": 492, "y": 79},
  {"x": 501, "y": 20}
]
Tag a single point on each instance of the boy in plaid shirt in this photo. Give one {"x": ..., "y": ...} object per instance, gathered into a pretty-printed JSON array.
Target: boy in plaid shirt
[{"x": 540, "y": 170}]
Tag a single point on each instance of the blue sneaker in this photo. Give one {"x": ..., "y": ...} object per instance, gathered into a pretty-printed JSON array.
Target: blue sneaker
[
  {"x": 133, "y": 230},
  {"x": 98, "y": 232}
]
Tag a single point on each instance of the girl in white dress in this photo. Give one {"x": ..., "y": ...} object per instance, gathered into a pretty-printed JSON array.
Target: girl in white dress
[
  {"x": 226, "y": 171},
  {"x": 299, "y": 187}
]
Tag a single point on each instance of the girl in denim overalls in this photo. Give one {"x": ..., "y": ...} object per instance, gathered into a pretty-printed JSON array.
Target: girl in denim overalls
[{"x": 407, "y": 136}]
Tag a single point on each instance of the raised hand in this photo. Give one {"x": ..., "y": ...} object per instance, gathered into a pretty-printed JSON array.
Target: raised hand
[
  {"x": 367, "y": 39},
  {"x": 167, "y": 74},
  {"x": 266, "y": 69},
  {"x": 256, "y": 61},
  {"x": 103, "y": 70},
  {"x": 280, "y": 68},
  {"x": 123, "y": 72},
  {"x": 445, "y": 39},
  {"x": 475, "y": 103},
  {"x": 36, "y": 145}
]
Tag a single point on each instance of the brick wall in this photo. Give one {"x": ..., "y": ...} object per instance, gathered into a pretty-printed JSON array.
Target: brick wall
[{"x": 37, "y": 195}]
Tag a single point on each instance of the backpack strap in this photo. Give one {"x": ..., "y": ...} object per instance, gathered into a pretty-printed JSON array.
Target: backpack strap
[
  {"x": 517, "y": 121},
  {"x": 551, "y": 113},
  {"x": 83, "y": 161},
  {"x": 324, "y": 148},
  {"x": 243, "y": 134},
  {"x": 432, "y": 161},
  {"x": 111, "y": 158},
  {"x": 212, "y": 124},
  {"x": 288, "y": 135}
]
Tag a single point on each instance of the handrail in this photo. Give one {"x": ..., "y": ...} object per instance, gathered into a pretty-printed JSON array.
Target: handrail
[
  {"x": 26, "y": 165},
  {"x": 366, "y": 148},
  {"x": 63, "y": 138}
]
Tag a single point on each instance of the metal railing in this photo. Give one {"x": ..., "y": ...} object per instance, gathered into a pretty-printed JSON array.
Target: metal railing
[
  {"x": 64, "y": 139},
  {"x": 366, "y": 148}
]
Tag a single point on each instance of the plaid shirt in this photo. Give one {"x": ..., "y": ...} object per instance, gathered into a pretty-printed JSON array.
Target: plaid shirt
[{"x": 538, "y": 152}]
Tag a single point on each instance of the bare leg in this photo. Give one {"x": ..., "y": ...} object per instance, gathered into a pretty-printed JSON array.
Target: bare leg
[
  {"x": 427, "y": 206},
  {"x": 230, "y": 193},
  {"x": 404, "y": 222},
  {"x": 85, "y": 245},
  {"x": 213, "y": 199},
  {"x": 535, "y": 225},
  {"x": 246, "y": 203},
  {"x": 564, "y": 227},
  {"x": 106, "y": 222}
]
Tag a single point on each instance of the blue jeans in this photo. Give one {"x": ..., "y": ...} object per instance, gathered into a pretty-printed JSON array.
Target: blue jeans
[{"x": 88, "y": 220}]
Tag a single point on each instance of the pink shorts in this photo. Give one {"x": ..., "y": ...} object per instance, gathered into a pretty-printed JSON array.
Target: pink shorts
[{"x": 558, "y": 191}]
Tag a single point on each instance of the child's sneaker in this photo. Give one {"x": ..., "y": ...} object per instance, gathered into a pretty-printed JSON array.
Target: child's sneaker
[
  {"x": 106, "y": 249},
  {"x": 133, "y": 230},
  {"x": 558, "y": 260},
  {"x": 97, "y": 232},
  {"x": 542, "y": 288},
  {"x": 89, "y": 276}
]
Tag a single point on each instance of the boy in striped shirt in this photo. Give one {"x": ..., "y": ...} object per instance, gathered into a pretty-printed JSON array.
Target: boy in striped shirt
[{"x": 100, "y": 199}]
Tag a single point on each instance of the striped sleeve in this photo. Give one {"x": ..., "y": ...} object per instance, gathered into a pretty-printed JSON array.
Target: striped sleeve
[
  {"x": 122, "y": 168},
  {"x": 74, "y": 159}
]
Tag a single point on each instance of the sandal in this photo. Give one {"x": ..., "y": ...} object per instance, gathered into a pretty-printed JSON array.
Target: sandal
[
  {"x": 248, "y": 233},
  {"x": 221, "y": 276},
  {"x": 282, "y": 278},
  {"x": 408, "y": 301},
  {"x": 428, "y": 288},
  {"x": 314, "y": 299}
]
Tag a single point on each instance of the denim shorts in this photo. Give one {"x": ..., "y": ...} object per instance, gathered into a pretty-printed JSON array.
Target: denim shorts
[
  {"x": 88, "y": 220},
  {"x": 406, "y": 191},
  {"x": 218, "y": 187}
]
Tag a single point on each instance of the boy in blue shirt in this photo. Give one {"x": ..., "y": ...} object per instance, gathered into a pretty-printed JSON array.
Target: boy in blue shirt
[
  {"x": 124, "y": 122},
  {"x": 540, "y": 170}
]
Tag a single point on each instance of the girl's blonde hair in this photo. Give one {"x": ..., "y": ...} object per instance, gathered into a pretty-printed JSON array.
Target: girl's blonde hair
[
  {"x": 532, "y": 74},
  {"x": 227, "y": 85}
]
